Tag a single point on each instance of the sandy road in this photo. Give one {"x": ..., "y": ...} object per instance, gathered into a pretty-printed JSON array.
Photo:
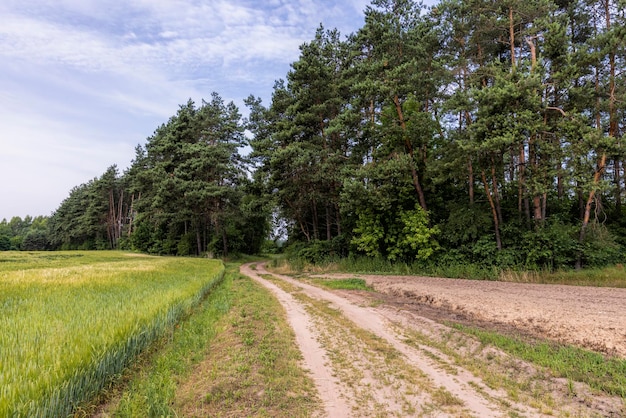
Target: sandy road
[{"x": 355, "y": 379}]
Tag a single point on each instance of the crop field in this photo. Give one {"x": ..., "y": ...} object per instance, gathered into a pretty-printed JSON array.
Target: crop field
[{"x": 71, "y": 321}]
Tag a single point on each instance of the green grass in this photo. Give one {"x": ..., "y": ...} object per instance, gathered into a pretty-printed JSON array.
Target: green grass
[
  {"x": 371, "y": 265},
  {"x": 610, "y": 276},
  {"x": 153, "y": 388},
  {"x": 614, "y": 276},
  {"x": 345, "y": 284},
  {"x": 71, "y": 321},
  {"x": 599, "y": 372},
  {"x": 235, "y": 356}
]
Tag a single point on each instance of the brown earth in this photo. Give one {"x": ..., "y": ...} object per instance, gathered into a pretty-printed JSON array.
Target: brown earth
[
  {"x": 590, "y": 317},
  {"x": 386, "y": 353}
]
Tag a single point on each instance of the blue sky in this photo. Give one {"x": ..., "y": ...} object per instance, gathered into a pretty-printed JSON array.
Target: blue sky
[{"x": 82, "y": 82}]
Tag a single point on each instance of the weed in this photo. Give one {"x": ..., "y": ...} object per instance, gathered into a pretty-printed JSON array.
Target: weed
[
  {"x": 599, "y": 372},
  {"x": 345, "y": 284}
]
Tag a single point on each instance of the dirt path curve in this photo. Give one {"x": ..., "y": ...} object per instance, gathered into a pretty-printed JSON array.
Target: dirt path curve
[{"x": 349, "y": 373}]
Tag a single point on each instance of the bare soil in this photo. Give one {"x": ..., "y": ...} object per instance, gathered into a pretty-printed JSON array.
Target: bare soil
[
  {"x": 387, "y": 353},
  {"x": 590, "y": 317}
]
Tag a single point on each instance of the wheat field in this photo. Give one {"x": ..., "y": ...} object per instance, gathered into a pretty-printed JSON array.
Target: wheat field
[{"x": 71, "y": 321}]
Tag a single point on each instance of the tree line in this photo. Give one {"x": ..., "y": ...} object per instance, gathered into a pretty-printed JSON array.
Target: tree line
[
  {"x": 28, "y": 234},
  {"x": 474, "y": 131}
]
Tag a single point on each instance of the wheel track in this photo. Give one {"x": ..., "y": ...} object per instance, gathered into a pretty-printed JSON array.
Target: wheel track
[{"x": 478, "y": 399}]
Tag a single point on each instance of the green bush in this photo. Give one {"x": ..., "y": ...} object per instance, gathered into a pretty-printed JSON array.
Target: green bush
[
  {"x": 5, "y": 243},
  {"x": 599, "y": 247},
  {"x": 35, "y": 240},
  {"x": 550, "y": 246}
]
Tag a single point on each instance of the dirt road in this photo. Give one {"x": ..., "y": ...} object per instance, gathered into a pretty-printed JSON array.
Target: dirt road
[{"x": 377, "y": 354}]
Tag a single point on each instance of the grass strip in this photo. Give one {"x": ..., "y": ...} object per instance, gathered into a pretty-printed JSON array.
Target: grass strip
[
  {"x": 342, "y": 284},
  {"x": 599, "y": 372},
  {"x": 235, "y": 356},
  {"x": 610, "y": 276}
]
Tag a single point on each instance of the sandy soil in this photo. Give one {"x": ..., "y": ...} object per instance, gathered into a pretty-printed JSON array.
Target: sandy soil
[
  {"x": 415, "y": 366},
  {"x": 593, "y": 318}
]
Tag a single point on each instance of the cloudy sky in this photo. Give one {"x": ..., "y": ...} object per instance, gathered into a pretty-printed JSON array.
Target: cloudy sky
[{"x": 82, "y": 82}]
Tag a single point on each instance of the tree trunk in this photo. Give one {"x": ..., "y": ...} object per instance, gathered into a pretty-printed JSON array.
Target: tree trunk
[
  {"x": 470, "y": 169},
  {"x": 521, "y": 186},
  {"x": 315, "y": 222},
  {"x": 338, "y": 219},
  {"x": 512, "y": 38},
  {"x": 496, "y": 195},
  {"x": 198, "y": 241},
  {"x": 224, "y": 243},
  {"x": 612, "y": 130},
  {"x": 618, "y": 186},
  {"x": 409, "y": 148},
  {"x": 587, "y": 211},
  {"x": 111, "y": 220},
  {"x": 494, "y": 212},
  {"x": 131, "y": 215},
  {"x": 120, "y": 217},
  {"x": 328, "y": 230}
]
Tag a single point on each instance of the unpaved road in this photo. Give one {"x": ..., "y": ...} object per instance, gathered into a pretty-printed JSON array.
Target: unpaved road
[{"x": 382, "y": 354}]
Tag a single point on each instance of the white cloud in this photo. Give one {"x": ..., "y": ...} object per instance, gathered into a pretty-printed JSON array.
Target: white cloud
[{"x": 83, "y": 81}]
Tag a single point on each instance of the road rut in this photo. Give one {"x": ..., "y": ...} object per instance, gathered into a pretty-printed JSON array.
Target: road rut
[{"x": 353, "y": 377}]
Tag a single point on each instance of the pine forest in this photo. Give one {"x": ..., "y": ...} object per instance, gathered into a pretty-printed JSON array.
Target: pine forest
[{"x": 474, "y": 132}]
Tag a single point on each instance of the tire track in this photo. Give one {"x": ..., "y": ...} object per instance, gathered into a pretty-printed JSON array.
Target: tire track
[{"x": 478, "y": 400}]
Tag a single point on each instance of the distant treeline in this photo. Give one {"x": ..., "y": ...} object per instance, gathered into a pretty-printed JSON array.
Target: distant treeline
[
  {"x": 28, "y": 234},
  {"x": 478, "y": 131}
]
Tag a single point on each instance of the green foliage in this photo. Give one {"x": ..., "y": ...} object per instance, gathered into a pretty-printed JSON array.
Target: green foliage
[
  {"x": 465, "y": 225},
  {"x": 186, "y": 245},
  {"x": 407, "y": 237},
  {"x": 93, "y": 216},
  {"x": 550, "y": 246},
  {"x": 415, "y": 240},
  {"x": 316, "y": 252},
  {"x": 600, "y": 247},
  {"x": 368, "y": 234},
  {"x": 5, "y": 243},
  {"x": 35, "y": 240},
  {"x": 185, "y": 193},
  {"x": 431, "y": 137},
  {"x": 24, "y": 234}
]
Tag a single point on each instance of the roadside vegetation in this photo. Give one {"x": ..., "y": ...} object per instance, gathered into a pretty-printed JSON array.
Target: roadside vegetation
[
  {"x": 575, "y": 364},
  {"x": 529, "y": 370},
  {"x": 72, "y": 321},
  {"x": 345, "y": 284},
  {"x": 609, "y": 276},
  {"x": 235, "y": 356}
]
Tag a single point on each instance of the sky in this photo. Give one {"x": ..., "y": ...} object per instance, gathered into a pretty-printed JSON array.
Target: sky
[{"x": 83, "y": 82}]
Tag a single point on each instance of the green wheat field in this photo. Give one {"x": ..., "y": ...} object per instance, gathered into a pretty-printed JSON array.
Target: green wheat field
[{"x": 71, "y": 321}]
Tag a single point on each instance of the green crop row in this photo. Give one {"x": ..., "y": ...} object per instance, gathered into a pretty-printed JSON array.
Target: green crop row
[{"x": 70, "y": 322}]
